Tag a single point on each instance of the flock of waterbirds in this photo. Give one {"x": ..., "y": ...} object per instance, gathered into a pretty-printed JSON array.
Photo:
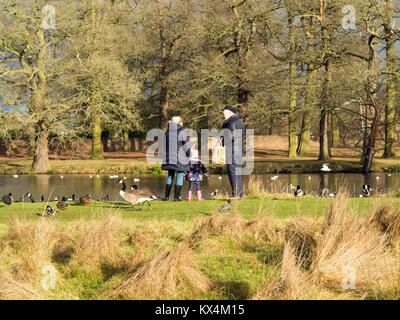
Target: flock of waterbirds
[{"x": 138, "y": 197}]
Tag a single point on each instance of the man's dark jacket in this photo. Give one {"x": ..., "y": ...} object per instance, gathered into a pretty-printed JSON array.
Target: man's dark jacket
[
  {"x": 175, "y": 140},
  {"x": 236, "y": 126}
]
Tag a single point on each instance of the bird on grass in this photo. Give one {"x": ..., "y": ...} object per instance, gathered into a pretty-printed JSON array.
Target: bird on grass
[
  {"x": 135, "y": 196},
  {"x": 30, "y": 197},
  {"x": 226, "y": 207},
  {"x": 366, "y": 191},
  {"x": 62, "y": 206},
  {"x": 49, "y": 212},
  {"x": 42, "y": 198},
  {"x": 8, "y": 199},
  {"x": 299, "y": 193},
  {"x": 86, "y": 200}
]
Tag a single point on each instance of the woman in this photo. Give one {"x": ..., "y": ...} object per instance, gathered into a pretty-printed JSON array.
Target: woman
[{"x": 177, "y": 155}]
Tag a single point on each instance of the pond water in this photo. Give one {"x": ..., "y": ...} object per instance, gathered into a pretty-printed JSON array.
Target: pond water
[{"x": 51, "y": 186}]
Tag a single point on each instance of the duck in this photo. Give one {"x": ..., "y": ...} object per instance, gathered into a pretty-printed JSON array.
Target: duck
[
  {"x": 135, "y": 196},
  {"x": 8, "y": 199},
  {"x": 226, "y": 207},
  {"x": 62, "y": 206},
  {"x": 73, "y": 198},
  {"x": 86, "y": 200},
  {"x": 324, "y": 193},
  {"x": 298, "y": 192},
  {"x": 30, "y": 197},
  {"x": 214, "y": 193},
  {"x": 366, "y": 191},
  {"x": 49, "y": 212}
]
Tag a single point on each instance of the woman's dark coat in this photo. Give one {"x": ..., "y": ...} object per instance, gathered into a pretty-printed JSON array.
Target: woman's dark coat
[
  {"x": 238, "y": 131},
  {"x": 176, "y": 139}
]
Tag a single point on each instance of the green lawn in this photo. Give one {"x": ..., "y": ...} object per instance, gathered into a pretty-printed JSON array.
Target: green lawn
[
  {"x": 183, "y": 211},
  {"x": 237, "y": 264}
]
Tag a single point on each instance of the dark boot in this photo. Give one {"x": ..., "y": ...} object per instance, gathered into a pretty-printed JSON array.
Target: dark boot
[
  {"x": 167, "y": 192},
  {"x": 177, "y": 196}
]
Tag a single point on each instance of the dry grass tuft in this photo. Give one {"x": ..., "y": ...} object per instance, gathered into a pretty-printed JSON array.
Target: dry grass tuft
[
  {"x": 217, "y": 224},
  {"x": 302, "y": 237},
  {"x": 170, "y": 274},
  {"x": 100, "y": 244},
  {"x": 30, "y": 247},
  {"x": 347, "y": 243},
  {"x": 11, "y": 289},
  {"x": 291, "y": 284},
  {"x": 386, "y": 220}
]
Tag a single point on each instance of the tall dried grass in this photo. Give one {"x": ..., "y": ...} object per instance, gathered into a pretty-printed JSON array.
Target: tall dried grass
[
  {"x": 99, "y": 245},
  {"x": 171, "y": 274}
]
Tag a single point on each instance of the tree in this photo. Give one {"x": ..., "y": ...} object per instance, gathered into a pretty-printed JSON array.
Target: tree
[{"x": 31, "y": 67}]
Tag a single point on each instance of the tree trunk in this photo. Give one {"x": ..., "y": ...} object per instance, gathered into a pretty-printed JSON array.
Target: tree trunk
[
  {"x": 335, "y": 131},
  {"x": 370, "y": 141},
  {"x": 96, "y": 140},
  {"x": 326, "y": 95},
  {"x": 41, "y": 158},
  {"x": 127, "y": 145},
  {"x": 323, "y": 136},
  {"x": 390, "y": 88},
  {"x": 305, "y": 135},
  {"x": 292, "y": 91},
  {"x": 164, "y": 106}
]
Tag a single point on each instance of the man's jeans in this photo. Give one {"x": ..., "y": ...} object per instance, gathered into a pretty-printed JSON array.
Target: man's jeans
[{"x": 235, "y": 179}]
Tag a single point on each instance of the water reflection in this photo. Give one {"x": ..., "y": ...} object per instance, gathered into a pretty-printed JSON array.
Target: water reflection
[{"x": 51, "y": 186}]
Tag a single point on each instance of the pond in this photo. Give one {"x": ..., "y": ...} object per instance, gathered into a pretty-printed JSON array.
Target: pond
[{"x": 51, "y": 186}]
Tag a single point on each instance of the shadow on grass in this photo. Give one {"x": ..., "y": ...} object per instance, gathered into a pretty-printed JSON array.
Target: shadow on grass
[{"x": 233, "y": 290}]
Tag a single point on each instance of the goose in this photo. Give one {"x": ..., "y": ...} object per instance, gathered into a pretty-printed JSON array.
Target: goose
[
  {"x": 366, "y": 191},
  {"x": 299, "y": 193},
  {"x": 226, "y": 207},
  {"x": 30, "y": 197},
  {"x": 62, "y": 206},
  {"x": 49, "y": 212},
  {"x": 8, "y": 199},
  {"x": 86, "y": 200},
  {"x": 325, "y": 167},
  {"x": 135, "y": 196}
]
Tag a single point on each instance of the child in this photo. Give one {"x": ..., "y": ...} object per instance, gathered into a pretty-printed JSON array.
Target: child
[{"x": 195, "y": 175}]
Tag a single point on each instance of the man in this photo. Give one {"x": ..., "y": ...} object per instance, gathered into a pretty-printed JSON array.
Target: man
[{"x": 233, "y": 140}]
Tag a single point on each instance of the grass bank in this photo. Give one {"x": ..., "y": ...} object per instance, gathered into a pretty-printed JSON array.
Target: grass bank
[
  {"x": 264, "y": 249},
  {"x": 265, "y": 162}
]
